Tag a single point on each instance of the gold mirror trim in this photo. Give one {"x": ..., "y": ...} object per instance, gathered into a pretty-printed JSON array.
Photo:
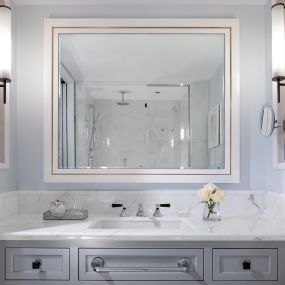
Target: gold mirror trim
[{"x": 139, "y": 174}]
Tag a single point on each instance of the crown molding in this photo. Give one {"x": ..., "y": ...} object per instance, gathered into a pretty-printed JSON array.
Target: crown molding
[{"x": 138, "y": 2}]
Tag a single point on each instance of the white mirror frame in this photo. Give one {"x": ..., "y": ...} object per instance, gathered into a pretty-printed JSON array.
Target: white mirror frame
[{"x": 231, "y": 172}]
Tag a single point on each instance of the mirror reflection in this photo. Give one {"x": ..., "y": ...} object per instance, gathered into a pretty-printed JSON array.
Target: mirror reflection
[{"x": 141, "y": 100}]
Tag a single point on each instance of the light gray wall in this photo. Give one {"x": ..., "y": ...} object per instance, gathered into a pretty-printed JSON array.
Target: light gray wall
[
  {"x": 30, "y": 85},
  {"x": 8, "y": 176}
]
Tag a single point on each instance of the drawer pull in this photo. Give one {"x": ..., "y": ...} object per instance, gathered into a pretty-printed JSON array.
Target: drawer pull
[
  {"x": 246, "y": 265},
  {"x": 37, "y": 264},
  {"x": 184, "y": 265}
]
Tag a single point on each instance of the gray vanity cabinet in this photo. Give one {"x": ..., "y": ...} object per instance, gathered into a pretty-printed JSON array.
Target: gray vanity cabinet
[{"x": 122, "y": 262}]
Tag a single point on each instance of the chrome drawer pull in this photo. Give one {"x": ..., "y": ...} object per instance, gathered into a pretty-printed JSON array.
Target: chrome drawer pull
[
  {"x": 153, "y": 269},
  {"x": 97, "y": 263}
]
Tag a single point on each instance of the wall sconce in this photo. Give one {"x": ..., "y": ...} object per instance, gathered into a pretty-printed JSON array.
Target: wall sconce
[{"x": 5, "y": 47}]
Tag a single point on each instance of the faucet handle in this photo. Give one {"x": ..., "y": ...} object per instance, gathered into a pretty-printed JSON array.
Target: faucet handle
[
  {"x": 124, "y": 210},
  {"x": 167, "y": 205},
  {"x": 157, "y": 212},
  {"x": 115, "y": 205}
]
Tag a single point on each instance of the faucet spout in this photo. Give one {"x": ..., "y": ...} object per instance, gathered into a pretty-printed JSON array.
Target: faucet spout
[{"x": 140, "y": 212}]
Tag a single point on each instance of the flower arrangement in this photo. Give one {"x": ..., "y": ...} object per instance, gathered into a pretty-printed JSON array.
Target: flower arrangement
[{"x": 211, "y": 196}]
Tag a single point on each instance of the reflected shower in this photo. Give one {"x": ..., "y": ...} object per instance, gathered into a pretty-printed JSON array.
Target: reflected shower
[{"x": 183, "y": 85}]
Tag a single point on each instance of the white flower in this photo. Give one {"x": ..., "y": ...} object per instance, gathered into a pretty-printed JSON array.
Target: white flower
[
  {"x": 218, "y": 196},
  {"x": 211, "y": 187},
  {"x": 204, "y": 194},
  {"x": 211, "y": 191}
]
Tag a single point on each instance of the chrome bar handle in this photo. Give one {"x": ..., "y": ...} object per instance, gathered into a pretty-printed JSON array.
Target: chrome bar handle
[
  {"x": 184, "y": 265},
  {"x": 153, "y": 269}
]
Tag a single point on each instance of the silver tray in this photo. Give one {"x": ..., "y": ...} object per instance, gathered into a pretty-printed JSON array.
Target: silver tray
[{"x": 70, "y": 214}]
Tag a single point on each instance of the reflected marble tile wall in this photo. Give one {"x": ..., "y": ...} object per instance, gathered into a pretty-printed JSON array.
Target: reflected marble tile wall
[{"x": 143, "y": 133}]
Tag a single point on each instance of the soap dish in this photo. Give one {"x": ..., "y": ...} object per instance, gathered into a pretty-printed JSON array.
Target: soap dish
[{"x": 70, "y": 214}]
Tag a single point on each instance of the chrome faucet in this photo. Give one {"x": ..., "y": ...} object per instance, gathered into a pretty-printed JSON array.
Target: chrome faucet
[
  {"x": 157, "y": 212},
  {"x": 140, "y": 212},
  {"x": 124, "y": 209}
]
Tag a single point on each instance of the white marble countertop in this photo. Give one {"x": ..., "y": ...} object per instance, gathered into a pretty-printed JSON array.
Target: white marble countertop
[{"x": 231, "y": 228}]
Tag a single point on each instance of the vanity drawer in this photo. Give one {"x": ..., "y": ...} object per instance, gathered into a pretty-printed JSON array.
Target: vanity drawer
[
  {"x": 245, "y": 264},
  {"x": 140, "y": 264},
  {"x": 37, "y": 264}
]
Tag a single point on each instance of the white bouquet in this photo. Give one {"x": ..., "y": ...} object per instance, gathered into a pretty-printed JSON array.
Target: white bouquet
[{"x": 211, "y": 195}]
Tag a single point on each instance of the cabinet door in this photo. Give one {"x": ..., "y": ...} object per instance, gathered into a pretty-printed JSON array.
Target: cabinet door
[
  {"x": 245, "y": 264},
  {"x": 37, "y": 264},
  {"x": 140, "y": 264}
]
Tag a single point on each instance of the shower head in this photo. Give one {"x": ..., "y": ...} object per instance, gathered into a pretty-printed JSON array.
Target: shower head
[{"x": 123, "y": 102}]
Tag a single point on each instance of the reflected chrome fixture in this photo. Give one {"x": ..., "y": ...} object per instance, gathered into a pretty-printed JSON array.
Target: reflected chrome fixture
[
  {"x": 157, "y": 212},
  {"x": 125, "y": 162},
  {"x": 92, "y": 140},
  {"x": 5, "y": 48},
  {"x": 124, "y": 209},
  {"x": 140, "y": 212},
  {"x": 123, "y": 102},
  {"x": 278, "y": 44}
]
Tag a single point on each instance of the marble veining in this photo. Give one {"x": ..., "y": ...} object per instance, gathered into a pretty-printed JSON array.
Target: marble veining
[
  {"x": 245, "y": 215},
  {"x": 99, "y": 202}
]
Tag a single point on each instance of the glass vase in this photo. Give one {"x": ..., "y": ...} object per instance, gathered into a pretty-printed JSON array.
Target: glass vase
[{"x": 212, "y": 212}]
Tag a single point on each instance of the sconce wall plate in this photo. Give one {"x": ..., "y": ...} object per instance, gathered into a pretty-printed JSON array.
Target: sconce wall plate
[
  {"x": 278, "y": 44},
  {"x": 279, "y": 84},
  {"x": 5, "y": 48}
]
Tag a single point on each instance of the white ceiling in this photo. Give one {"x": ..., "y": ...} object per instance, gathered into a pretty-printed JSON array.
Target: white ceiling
[
  {"x": 139, "y": 2},
  {"x": 179, "y": 58},
  {"x": 133, "y": 92},
  {"x": 104, "y": 64}
]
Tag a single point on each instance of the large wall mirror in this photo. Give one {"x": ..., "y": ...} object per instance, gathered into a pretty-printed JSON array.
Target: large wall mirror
[{"x": 141, "y": 100}]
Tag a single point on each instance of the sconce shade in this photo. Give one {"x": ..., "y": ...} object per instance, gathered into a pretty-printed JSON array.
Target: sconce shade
[
  {"x": 5, "y": 42},
  {"x": 278, "y": 42}
]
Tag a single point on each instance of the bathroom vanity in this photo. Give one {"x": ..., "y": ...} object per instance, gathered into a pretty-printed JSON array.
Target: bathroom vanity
[
  {"x": 142, "y": 262},
  {"x": 168, "y": 250}
]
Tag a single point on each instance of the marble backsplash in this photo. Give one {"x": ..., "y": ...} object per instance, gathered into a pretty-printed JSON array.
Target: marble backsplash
[
  {"x": 8, "y": 204},
  {"x": 241, "y": 203},
  {"x": 99, "y": 202},
  {"x": 275, "y": 205}
]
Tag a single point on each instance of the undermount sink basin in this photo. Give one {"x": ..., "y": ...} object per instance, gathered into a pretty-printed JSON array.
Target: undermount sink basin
[{"x": 141, "y": 223}]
